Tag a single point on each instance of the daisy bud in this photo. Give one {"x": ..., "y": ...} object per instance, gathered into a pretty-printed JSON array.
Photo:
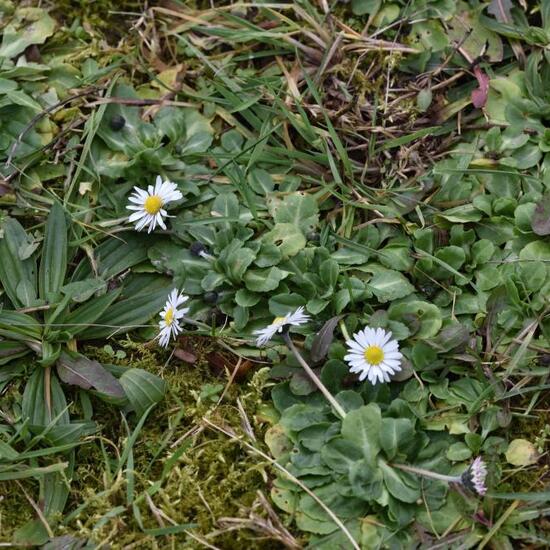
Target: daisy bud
[
  {"x": 198, "y": 249},
  {"x": 117, "y": 122}
]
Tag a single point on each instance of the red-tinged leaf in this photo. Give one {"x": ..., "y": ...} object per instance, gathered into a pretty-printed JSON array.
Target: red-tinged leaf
[
  {"x": 541, "y": 219},
  {"x": 479, "y": 95},
  {"x": 78, "y": 370},
  {"x": 186, "y": 356},
  {"x": 323, "y": 339}
]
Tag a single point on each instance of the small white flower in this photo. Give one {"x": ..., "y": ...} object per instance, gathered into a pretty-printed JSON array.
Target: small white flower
[
  {"x": 149, "y": 205},
  {"x": 474, "y": 477},
  {"x": 374, "y": 355},
  {"x": 169, "y": 324},
  {"x": 295, "y": 319}
]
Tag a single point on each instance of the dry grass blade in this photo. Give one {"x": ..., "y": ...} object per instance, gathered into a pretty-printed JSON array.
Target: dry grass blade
[{"x": 229, "y": 433}]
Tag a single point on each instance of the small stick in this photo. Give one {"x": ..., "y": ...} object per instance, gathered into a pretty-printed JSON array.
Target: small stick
[{"x": 315, "y": 379}]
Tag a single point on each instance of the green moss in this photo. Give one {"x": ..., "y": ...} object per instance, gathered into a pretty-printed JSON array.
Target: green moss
[{"x": 214, "y": 477}]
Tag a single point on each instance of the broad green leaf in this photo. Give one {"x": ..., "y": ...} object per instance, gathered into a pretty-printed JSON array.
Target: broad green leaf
[
  {"x": 34, "y": 406},
  {"x": 395, "y": 434},
  {"x": 113, "y": 256},
  {"x": 287, "y": 237},
  {"x": 365, "y": 480},
  {"x": 13, "y": 270},
  {"x": 298, "y": 209},
  {"x": 401, "y": 485},
  {"x": 298, "y": 417},
  {"x": 87, "y": 314},
  {"x": 388, "y": 285},
  {"x": 235, "y": 259},
  {"x": 142, "y": 388},
  {"x": 130, "y": 313},
  {"x": 264, "y": 280},
  {"x": 80, "y": 291},
  {"x": 362, "y": 427},
  {"x": 199, "y": 134},
  {"x": 53, "y": 263},
  {"x": 428, "y": 315},
  {"x": 341, "y": 454},
  {"x": 30, "y": 26}
]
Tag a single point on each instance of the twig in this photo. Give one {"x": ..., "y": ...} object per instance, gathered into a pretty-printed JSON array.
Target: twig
[
  {"x": 38, "y": 511},
  {"x": 272, "y": 461},
  {"x": 37, "y": 117},
  {"x": 314, "y": 378}
]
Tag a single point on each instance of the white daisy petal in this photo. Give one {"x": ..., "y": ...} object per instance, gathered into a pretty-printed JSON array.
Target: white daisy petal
[
  {"x": 151, "y": 204},
  {"x": 169, "y": 325},
  {"x": 293, "y": 319},
  {"x": 374, "y": 355}
]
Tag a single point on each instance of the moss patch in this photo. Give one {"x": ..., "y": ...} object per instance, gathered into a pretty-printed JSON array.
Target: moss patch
[{"x": 211, "y": 476}]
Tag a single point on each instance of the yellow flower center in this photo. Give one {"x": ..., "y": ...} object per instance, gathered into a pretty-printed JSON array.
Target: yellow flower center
[
  {"x": 152, "y": 204},
  {"x": 374, "y": 355},
  {"x": 169, "y": 316},
  {"x": 278, "y": 320}
]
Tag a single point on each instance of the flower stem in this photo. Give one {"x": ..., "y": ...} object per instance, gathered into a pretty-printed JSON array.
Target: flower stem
[
  {"x": 344, "y": 330},
  {"x": 426, "y": 473},
  {"x": 315, "y": 379}
]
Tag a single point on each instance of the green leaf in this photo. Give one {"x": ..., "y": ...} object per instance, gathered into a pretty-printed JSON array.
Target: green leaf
[
  {"x": 401, "y": 485},
  {"x": 395, "y": 433},
  {"x": 535, "y": 251},
  {"x": 143, "y": 389},
  {"x": 328, "y": 271},
  {"x": 287, "y": 237},
  {"x": 362, "y": 427},
  {"x": 298, "y": 209},
  {"x": 235, "y": 259},
  {"x": 428, "y": 315},
  {"x": 264, "y": 280},
  {"x": 35, "y": 27},
  {"x": 130, "y": 313},
  {"x": 53, "y": 263},
  {"x": 301, "y": 416},
  {"x": 340, "y": 454},
  {"x": 87, "y": 314},
  {"x": 261, "y": 181},
  {"x": 113, "y": 256},
  {"x": 365, "y": 480},
  {"x": 80, "y": 291},
  {"x": 281, "y": 304},
  {"x": 21, "y": 325},
  {"x": 362, "y": 7},
  {"x": 15, "y": 271},
  {"x": 34, "y": 406},
  {"x": 198, "y": 134},
  {"x": 388, "y": 285}
]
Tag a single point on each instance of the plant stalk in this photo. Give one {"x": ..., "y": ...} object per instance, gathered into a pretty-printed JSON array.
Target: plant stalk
[
  {"x": 427, "y": 473},
  {"x": 315, "y": 379}
]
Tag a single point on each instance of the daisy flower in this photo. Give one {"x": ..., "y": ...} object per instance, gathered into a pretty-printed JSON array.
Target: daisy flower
[
  {"x": 295, "y": 319},
  {"x": 169, "y": 325},
  {"x": 474, "y": 477},
  {"x": 374, "y": 355},
  {"x": 149, "y": 205}
]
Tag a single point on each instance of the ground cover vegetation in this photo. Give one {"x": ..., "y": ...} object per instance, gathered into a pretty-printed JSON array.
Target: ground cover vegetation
[{"x": 304, "y": 179}]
